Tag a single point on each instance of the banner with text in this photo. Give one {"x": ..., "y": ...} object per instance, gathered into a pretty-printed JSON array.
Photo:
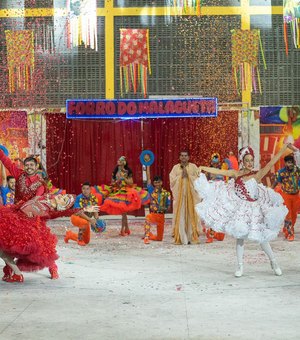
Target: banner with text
[{"x": 142, "y": 108}]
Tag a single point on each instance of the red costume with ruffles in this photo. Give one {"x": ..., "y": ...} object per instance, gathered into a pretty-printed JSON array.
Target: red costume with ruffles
[
  {"x": 120, "y": 197},
  {"x": 28, "y": 239},
  {"x": 27, "y": 187}
]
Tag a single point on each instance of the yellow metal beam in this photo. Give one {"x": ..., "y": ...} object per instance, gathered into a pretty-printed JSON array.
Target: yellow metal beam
[
  {"x": 245, "y": 25},
  {"x": 171, "y": 11},
  {"x": 263, "y": 10},
  {"x": 138, "y": 11},
  {"x": 32, "y": 12},
  {"x": 109, "y": 51}
]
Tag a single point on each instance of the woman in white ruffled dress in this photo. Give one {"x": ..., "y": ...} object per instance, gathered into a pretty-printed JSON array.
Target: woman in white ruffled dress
[{"x": 243, "y": 208}]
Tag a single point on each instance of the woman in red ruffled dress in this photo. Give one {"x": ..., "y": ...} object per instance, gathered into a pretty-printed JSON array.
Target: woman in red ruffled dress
[
  {"x": 25, "y": 237},
  {"x": 123, "y": 195}
]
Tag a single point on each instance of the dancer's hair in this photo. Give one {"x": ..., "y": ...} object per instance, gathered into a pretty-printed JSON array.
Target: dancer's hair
[
  {"x": 116, "y": 169},
  {"x": 289, "y": 158},
  {"x": 30, "y": 159}
]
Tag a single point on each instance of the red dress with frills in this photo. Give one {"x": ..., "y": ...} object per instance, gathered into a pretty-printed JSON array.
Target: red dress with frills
[
  {"x": 28, "y": 239},
  {"x": 121, "y": 198}
]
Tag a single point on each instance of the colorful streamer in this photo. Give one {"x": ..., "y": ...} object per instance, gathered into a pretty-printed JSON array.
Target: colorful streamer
[
  {"x": 82, "y": 23},
  {"x": 185, "y": 6}
]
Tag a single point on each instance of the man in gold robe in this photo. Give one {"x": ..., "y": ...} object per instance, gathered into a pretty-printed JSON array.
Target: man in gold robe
[{"x": 185, "y": 219}]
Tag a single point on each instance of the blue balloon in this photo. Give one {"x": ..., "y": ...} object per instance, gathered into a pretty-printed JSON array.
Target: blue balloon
[
  {"x": 147, "y": 157},
  {"x": 4, "y": 149}
]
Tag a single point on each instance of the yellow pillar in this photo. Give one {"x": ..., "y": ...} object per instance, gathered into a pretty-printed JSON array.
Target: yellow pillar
[
  {"x": 245, "y": 25},
  {"x": 109, "y": 50}
]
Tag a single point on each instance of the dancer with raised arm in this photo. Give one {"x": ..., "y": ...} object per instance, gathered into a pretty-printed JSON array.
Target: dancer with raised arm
[
  {"x": 243, "y": 207},
  {"x": 25, "y": 237},
  {"x": 160, "y": 200}
]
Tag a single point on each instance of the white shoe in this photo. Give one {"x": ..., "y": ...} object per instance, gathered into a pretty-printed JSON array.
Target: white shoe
[
  {"x": 239, "y": 270},
  {"x": 276, "y": 268}
]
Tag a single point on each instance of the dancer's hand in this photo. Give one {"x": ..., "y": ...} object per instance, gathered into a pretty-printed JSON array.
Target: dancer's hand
[
  {"x": 292, "y": 147},
  {"x": 200, "y": 169},
  {"x": 289, "y": 140},
  {"x": 91, "y": 208}
]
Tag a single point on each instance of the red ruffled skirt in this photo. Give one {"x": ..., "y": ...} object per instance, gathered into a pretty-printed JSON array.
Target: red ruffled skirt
[
  {"x": 124, "y": 200},
  {"x": 28, "y": 240}
]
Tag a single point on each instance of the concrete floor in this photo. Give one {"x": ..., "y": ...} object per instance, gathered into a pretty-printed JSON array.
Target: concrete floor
[{"x": 118, "y": 288}]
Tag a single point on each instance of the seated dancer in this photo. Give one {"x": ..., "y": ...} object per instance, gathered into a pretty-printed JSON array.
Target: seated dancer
[
  {"x": 159, "y": 204},
  {"x": 215, "y": 163},
  {"x": 123, "y": 196},
  {"x": 84, "y": 220},
  {"x": 25, "y": 237},
  {"x": 243, "y": 208}
]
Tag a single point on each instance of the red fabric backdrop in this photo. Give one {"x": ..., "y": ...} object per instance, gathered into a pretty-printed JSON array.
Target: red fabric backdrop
[{"x": 79, "y": 151}]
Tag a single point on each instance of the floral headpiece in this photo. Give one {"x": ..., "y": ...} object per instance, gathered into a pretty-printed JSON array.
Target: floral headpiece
[
  {"x": 244, "y": 152},
  {"x": 123, "y": 158}
]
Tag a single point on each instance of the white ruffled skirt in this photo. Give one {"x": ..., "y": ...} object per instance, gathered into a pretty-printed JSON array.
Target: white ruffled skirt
[{"x": 223, "y": 211}]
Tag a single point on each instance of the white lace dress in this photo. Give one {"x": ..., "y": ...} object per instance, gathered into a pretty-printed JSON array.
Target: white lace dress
[{"x": 241, "y": 208}]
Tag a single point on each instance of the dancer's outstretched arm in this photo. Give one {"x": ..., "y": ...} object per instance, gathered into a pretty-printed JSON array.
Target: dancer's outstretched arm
[
  {"x": 262, "y": 172},
  {"x": 215, "y": 171}
]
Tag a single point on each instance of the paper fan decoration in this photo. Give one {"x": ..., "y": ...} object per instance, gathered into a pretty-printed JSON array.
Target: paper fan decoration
[{"x": 147, "y": 157}]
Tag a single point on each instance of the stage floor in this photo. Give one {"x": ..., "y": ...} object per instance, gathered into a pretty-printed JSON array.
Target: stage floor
[{"x": 118, "y": 288}]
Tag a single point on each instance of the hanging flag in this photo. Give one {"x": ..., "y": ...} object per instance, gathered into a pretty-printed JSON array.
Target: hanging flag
[
  {"x": 20, "y": 59},
  {"x": 134, "y": 59},
  {"x": 82, "y": 23},
  {"x": 245, "y": 58},
  {"x": 291, "y": 15},
  {"x": 184, "y": 6}
]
